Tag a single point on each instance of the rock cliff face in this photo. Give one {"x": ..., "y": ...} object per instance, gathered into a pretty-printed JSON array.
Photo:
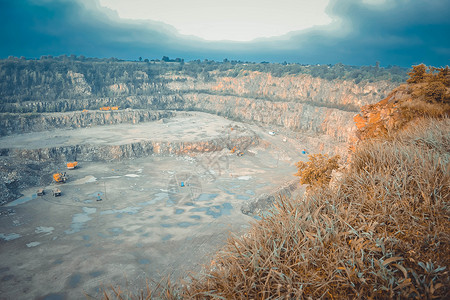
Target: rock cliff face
[
  {"x": 290, "y": 88},
  {"x": 79, "y": 85},
  {"x": 404, "y": 104},
  {"x": 132, "y": 150},
  {"x": 21, "y": 123},
  {"x": 290, "y": 115},
  {"x": 378, "y": 119},
  {"x": 296, "y": 102}
]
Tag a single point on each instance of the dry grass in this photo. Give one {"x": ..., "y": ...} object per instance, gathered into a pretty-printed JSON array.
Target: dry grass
[
  {"x": 153, "y": 290},
  {"x": 383, "y": 233},
  {"x": 415, "y": 108}
]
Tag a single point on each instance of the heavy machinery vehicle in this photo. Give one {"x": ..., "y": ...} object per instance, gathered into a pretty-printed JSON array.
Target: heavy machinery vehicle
[
  {"x": 109, "y": 108},
  {"x": 56, "y": 192},
  {"x": 60, "y": 177},
  {"x": 72, "y": 165}
]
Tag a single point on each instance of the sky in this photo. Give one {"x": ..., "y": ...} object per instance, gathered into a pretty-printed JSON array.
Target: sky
[
  {"x": 235, "y": 20},
  {"x": 353, "y": 32}
]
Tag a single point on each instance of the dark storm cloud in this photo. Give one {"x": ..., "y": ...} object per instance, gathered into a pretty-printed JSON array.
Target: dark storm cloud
[
  {"x": 401, "y": 32},
  {"x": 33, "y": 28},
  {"x": 398, "y": 32}
]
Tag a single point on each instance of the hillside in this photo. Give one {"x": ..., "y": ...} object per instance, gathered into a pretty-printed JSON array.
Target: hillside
[{"x": 379, "y": 230}]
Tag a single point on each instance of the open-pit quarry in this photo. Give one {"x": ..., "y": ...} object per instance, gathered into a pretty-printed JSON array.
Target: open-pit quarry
[
  {"x": 149, "y": 199},
  {"x": 190, "y": 153}
]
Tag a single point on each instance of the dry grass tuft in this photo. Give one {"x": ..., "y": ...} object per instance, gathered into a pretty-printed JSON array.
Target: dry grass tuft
[{"x": 153, "y": 290}]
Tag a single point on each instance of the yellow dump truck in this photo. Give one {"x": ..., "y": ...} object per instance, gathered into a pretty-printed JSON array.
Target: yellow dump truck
[{"x": 72, "y": 165}]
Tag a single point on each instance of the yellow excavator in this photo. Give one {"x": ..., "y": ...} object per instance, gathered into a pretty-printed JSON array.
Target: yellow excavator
[{"x": 60, "y": 177}]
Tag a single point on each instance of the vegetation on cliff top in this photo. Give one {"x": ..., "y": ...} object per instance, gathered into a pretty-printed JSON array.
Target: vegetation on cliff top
[{"x": 52, "y": 78}]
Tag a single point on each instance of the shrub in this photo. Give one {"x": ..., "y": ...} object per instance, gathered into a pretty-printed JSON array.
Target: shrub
[
  {"x": 430, "y": 84},
  {"x": 317, "y": 171}
]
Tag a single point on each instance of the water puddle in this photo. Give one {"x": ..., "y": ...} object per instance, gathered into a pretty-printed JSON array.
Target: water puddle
[
  {"x": 33, "y": 244},
  {"x": 167, "y": 237},
  {"x": 74, "y": 280},
  {"x": 96, "y": 273},
  {"x": 144, "y": 261},
  {"x": 46, "y": 230},
  {"x": 115, "y": 231},
  {"x": 215, "y": 211},
  {"x": 206, "y": 197},
  {"x": 186, "y": 224},
  {"x": 9, "y": 236},
  {"x": 131, "y": 210},
  {"x": 54, "y": 297},
  {"x": 79, "y": 220}
]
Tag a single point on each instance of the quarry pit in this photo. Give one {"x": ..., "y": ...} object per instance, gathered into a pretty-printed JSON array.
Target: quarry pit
[{"x": 147, "y": 201}]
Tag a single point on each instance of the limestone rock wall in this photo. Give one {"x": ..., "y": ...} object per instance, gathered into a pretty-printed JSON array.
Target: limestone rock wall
[
  {"x": 116, "y": 152},
  {"x": 21, "y": 123},
  {"x": 297, "y": 88},
  {"x": 290, "y": 115}
]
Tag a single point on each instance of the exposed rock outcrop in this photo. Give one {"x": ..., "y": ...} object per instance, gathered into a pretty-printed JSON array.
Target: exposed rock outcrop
[
  {"x": 21, "y": 123},
  {"x": 292, "y": 88},
  {"x": 132, "y": 150},
  {"x": 264, "y": 202},
  {"x": 290, "y": 115},
  {"x": 405, "y": 104}
]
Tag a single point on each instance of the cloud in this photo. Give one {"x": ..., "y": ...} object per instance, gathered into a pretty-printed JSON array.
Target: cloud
[
  {"x": 34, "y": 28},
  {"x": 401, "y": 32}
]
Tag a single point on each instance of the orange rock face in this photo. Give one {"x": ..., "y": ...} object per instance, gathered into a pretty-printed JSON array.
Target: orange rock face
[{"x": 377, "y": 120}]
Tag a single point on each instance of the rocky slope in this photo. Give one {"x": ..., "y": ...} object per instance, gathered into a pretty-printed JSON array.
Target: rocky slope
[
  {"x": 425, "y": 95},
  {"x": 290, "y": 115},
  {"x": 290, "y": 88},
  {"x": 21, "y": 123},
  {"x": 132, "y": 150}
]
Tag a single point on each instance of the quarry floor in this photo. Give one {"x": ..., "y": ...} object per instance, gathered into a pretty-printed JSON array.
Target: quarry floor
[{"x": 147, "y": 225}]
